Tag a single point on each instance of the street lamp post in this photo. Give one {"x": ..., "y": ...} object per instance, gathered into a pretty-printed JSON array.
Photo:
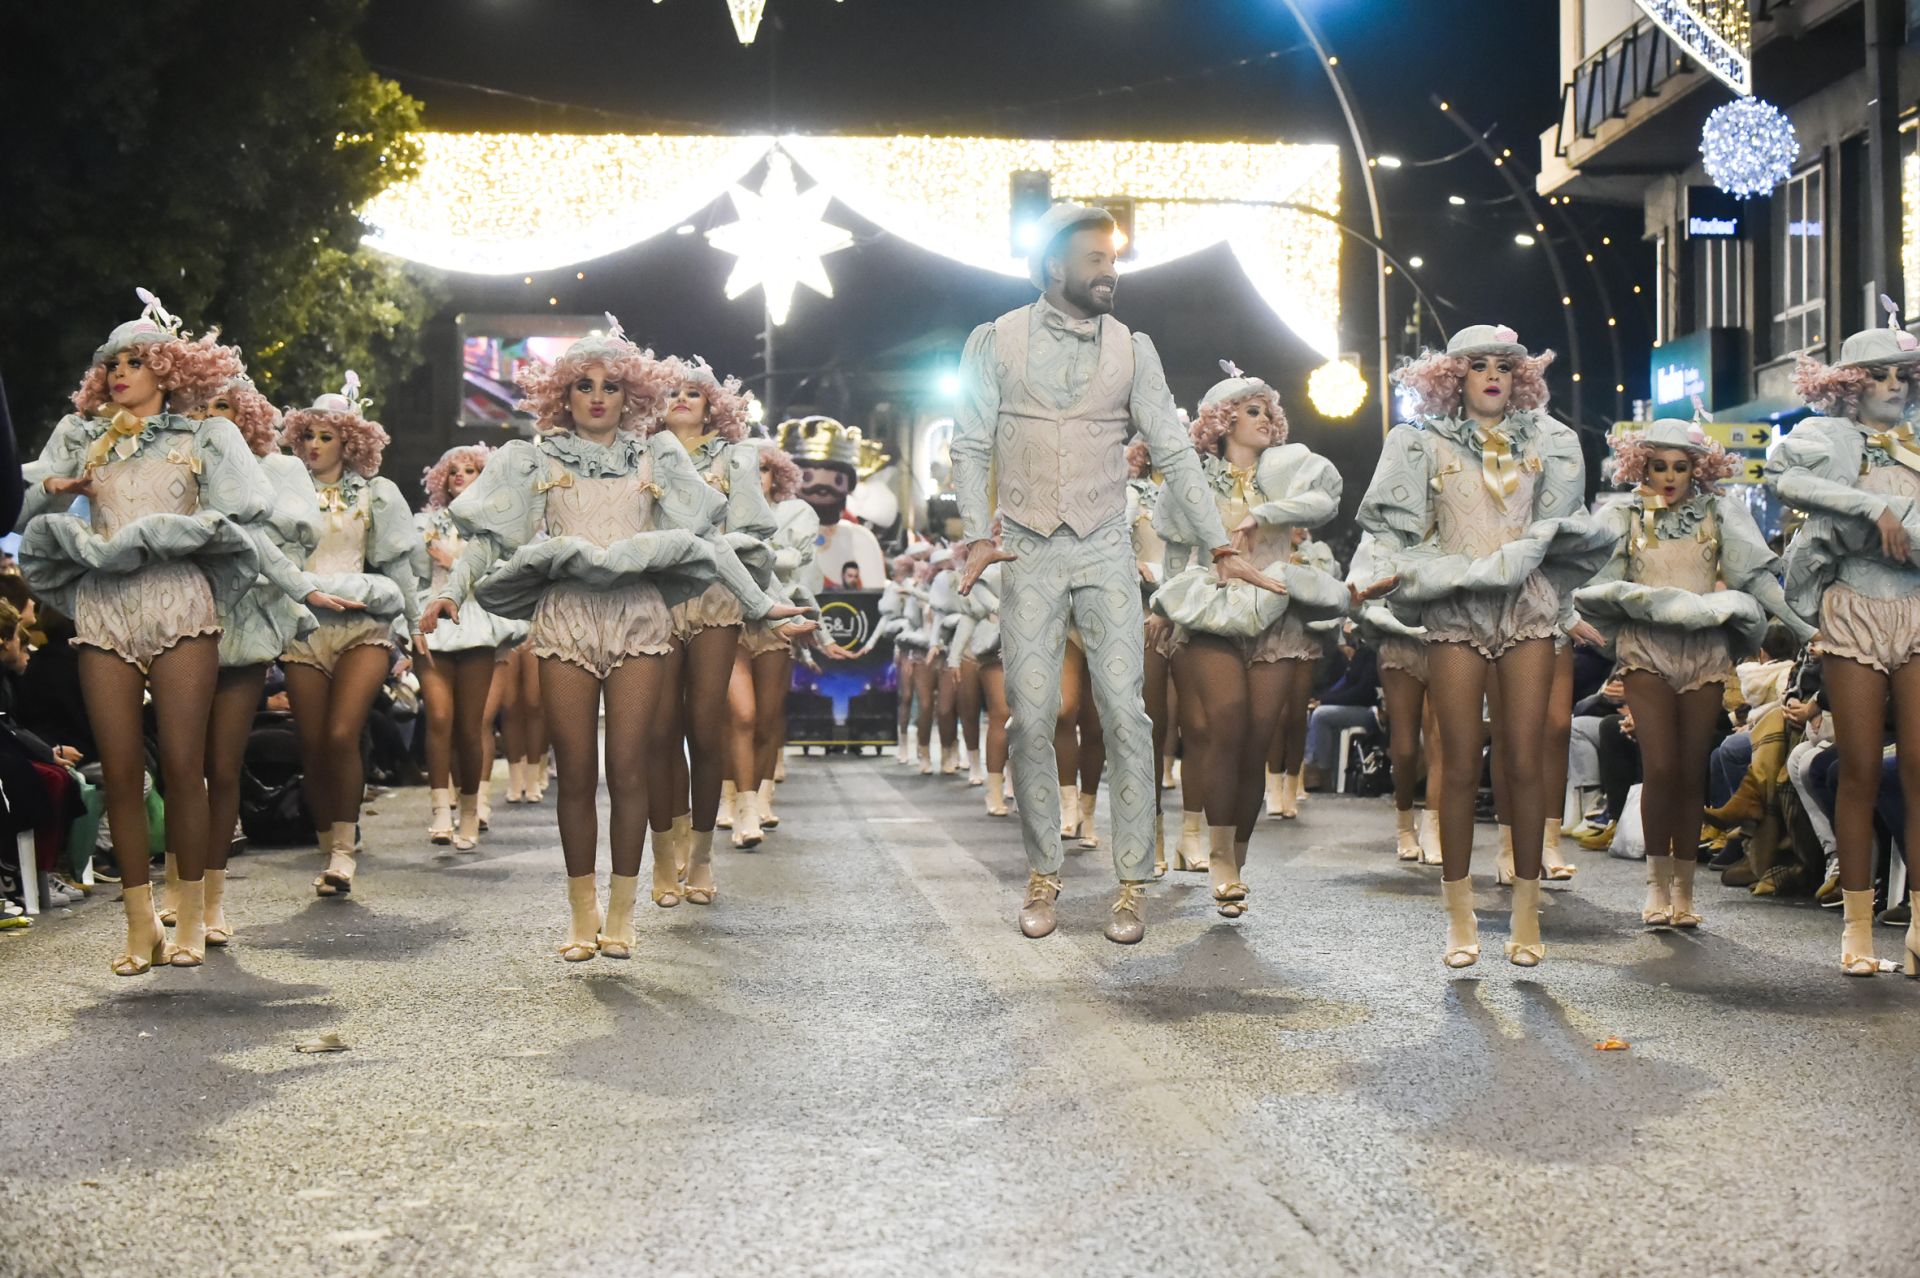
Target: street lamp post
[{"x": 1331, "y": 65}]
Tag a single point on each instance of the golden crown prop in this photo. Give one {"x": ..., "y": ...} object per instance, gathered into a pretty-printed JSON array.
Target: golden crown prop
[{"x": 822, "y": 439}]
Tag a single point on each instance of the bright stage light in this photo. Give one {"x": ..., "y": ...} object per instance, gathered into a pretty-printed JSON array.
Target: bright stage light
[
  {"x": 1387, "y": 161},
  {"x": 1337, "y": 389},
  {"x": 496, "y": 204},
  {"x": 1524, "y": 240},
  {"x": 949, "y": 384},
  {"x": 1416, "y": 262},
  {"x": 1456, "y": 200}
]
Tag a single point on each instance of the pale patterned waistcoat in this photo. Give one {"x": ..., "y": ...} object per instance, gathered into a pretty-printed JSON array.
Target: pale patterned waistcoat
[{"x": 1062, "y": 466}]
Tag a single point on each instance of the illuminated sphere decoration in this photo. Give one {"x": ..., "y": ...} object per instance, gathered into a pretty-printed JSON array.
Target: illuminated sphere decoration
[
  {"x": 1749, "y": 147},
  {"x": 1337, "y": 389}
]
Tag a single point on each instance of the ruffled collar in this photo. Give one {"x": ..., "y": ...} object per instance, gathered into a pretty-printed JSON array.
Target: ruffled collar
[
  {"x": 591, "y": 460},
  {"x": 1229, "y": 480},
  {"x": 1519, "y": 428},
  {"x": 1881, "y": 448},
  {"x": 151, "y": 428},
  {"x": 1677, "y": 522},
  {"x": 707, "y": 450},
  {"x": 345, "y": 493}
]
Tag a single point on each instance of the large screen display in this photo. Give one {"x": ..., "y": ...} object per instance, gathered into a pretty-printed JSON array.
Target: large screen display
[{"x": 493, "y": 351}]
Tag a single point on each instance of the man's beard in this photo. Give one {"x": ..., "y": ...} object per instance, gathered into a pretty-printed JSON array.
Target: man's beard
[{"x": 1082, "y": 295}]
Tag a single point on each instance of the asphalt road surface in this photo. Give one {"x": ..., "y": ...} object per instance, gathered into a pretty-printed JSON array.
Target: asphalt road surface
[{"x": 854, "y": 1064}]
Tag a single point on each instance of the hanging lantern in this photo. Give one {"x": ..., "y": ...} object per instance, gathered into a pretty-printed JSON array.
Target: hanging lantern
[{"x": 1749, "y": 147}]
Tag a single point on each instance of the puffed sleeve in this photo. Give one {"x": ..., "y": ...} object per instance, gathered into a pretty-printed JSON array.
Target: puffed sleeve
[
  {"x": 1398, "y": 505},
  {"x": 748, "y": 510},
  {"x": 1562, "y": 491},
  {"x": 63, "y": 457},
  {"x": 500, "y": 512},
  {"x": 231, "y": 480},
  {"x": 1303, "y": 487},
  {"x": 393, "y": 543},
  {"x": 1617, "y": 520},
  {"x": 292, "y": 521},
  {"x": 1809, "y": 472},
  {"x": 974, "y": 418},
  {"x": 1156, "y": 418},
  {"x": 688, "y": 501},
  {"x": 1748, "y": 564},
  {"x": 1170, "y": 518}
]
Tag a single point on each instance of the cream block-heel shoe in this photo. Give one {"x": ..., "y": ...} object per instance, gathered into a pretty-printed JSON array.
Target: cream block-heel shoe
[
  {"x": 1856, "y": 933},
  {"x": 768, "y": 821},
  {"x": 583, "y": 927},
  {"x": 1089, "y": 833},
  {"x": 168, "y": 909},
  {"x": 1429, "y": 837},
  {"x": 666, "y": 888},
  {"x": 440, "y": 822},
  {"x": 1658, "y": 911},
  {"x": 724, "y": 821},
  {"x": 747, "y": 834},
  {"x": 1524, "y": 947},
  {"x": 146, "y": 937},
  {"x": 1190, "y": 853},
  {"x": 1229, "y": 893},
  {"x": 1553, "y": 863},
  {"x": 1463, "y": 929},
  {"x": 996, "y": 794},
  {"x": 1503, "y": 863},
  {"x": 1406, "y": 835},
  {"x": 189, "y": 945},
  {"x": 219, "y": 931},
  {"x": 1069, "y": 811},
  {"x": 1684, "y": 915},
  {"x": 467, "y": 837},
  {"x": 615, "y": 938},
  {"x": 699, "y": 880}
]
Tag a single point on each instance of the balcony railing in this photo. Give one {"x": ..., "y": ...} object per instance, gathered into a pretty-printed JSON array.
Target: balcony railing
[{"x": 1635, "y": 64}]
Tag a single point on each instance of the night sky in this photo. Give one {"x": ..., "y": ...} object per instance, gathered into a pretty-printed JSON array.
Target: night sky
[{"x": 1067, "y": 68}]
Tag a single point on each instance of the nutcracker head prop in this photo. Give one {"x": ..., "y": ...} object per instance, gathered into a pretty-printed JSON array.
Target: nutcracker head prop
[{"x": 832, "y": 458}]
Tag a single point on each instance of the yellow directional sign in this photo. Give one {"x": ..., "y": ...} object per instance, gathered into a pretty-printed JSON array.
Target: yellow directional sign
[{"x": 1740, "y": 435}]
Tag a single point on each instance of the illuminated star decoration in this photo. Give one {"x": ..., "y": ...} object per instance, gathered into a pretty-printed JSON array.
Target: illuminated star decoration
[
  {"x": 779, "y": 239},
  {"x": 746, "y": 18}
]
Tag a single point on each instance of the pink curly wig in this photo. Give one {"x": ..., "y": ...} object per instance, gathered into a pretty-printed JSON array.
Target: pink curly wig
[
  {"x": 1631, "y": 453},
  {"x": 366, "y": 441},
  {"x": 1211, "y": 426},
  {"x": 437, "y": 479},
  {"x": 785, "y": 471},
  {"x": 726, "y": 406},
  {"x": 546, "y": 387},
  {"x": 1829, "y": 390},
  {"x": 189, "y": 370},
  {"x": 1139, "y": 459},
  {"x": 252, "y": 412},
  {"x": 1438, "y": 380}
]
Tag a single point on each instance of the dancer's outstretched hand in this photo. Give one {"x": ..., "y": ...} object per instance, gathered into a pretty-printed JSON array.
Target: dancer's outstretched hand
[
  {"x": 333, "y": 603},
  {"x": 834, "y": 652},
  {"x": 430, "y": 615},
  {"x": 69, "y": 486},
  {"x": 1584, "y": 634},
  {"x": 795, "y": 626},
  {"x": 1381, "y": 587},
  {"x": 1237, "y": 567},
  {"x": 981, "y": 554}
]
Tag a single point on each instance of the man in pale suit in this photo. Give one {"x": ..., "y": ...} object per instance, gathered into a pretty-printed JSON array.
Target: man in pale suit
[{"x": 1048, "y": 395}]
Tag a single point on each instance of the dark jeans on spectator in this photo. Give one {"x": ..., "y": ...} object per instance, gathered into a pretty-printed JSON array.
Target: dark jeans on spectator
[
  {"x": 1726, "y": 766},
  {"x": 1619, "y": 765},
  {"x": 1889, "y": 805}
]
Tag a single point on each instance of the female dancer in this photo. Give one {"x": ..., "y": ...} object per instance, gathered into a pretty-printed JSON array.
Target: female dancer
[
  {"x": 896, "y": 599},
  {"x": 526, "y": 725},
  {"x": 1402, "y": 652},
  {"x": 368, "y": 552},
  {"x": 1229, "y": 657},
  {"x": 1680, "y": 602},
  {"x": 1150, "y": 553},
  {"x": 709, "y": 419},
  {"x": 144, "y": 582},
  {"x": 1477, "y": 508},
  {"x": 626, "y": 523},
  {"x": 1300, "y": 647},
  {"x": 939, "y": 676},
  {"x": 763, "y": 663},
  {"x": 1856, "y": 471},
  {"x": 457, "y": 685},
  {"x": 255, "y": 630}
]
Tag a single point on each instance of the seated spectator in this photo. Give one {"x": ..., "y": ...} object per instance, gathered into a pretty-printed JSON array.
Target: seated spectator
[{"x": 1348, "y": 702}]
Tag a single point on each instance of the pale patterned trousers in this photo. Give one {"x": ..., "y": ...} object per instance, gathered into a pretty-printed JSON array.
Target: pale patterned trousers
[{"x": 1094, "y": 583}]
